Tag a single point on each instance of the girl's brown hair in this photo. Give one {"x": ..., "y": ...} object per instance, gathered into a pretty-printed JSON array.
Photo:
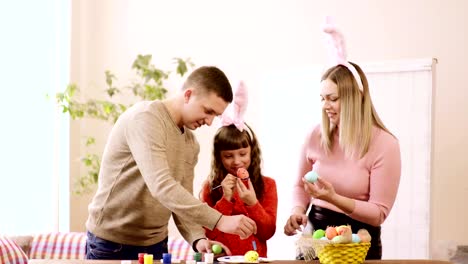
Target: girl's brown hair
[{"x": 231, "y": 138}]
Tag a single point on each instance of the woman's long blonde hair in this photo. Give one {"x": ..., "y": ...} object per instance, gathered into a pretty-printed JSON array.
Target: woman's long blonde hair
[{"x": 357, "y": 115}]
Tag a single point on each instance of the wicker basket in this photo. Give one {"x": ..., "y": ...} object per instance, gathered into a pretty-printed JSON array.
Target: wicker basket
[{"x": 330, "y": 253}]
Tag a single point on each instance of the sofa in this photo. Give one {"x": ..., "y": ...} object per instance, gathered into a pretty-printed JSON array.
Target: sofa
[{"x": 69, "y": 245}]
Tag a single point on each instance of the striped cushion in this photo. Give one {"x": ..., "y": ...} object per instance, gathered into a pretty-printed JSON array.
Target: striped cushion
[
  {"x": 179, "y": 249},
  {"x": 58, "y": 246},
  {"x": 11, "y": 253}
]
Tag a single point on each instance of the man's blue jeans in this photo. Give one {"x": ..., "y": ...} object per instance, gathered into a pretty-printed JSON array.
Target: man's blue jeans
[{"x": 98, "y": 248}]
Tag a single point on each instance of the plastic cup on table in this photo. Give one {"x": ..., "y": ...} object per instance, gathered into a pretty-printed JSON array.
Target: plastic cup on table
[
  {"x": 148, "y": 259},
  {"x": 209, "y": 257}
]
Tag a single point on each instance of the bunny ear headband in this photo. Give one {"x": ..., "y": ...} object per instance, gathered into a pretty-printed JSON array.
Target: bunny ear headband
[
  {"x": 337, "y": 49},
  {"x": 234, "y": 114}
]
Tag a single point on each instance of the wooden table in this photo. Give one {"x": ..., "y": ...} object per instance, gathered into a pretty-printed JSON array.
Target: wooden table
[{"x": 398, "y": 261}]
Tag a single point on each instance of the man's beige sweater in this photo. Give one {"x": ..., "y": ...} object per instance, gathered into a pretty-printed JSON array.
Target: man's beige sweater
[{"x": 146, "y": 176}]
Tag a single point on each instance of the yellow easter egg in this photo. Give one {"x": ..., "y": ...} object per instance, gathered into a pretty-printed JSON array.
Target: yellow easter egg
[{"x": 251, "y": 256}]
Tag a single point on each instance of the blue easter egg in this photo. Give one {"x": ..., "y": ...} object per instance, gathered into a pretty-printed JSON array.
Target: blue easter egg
[
  {"x": 311, "y": 176},
  {"x": 356, "y": 238}
]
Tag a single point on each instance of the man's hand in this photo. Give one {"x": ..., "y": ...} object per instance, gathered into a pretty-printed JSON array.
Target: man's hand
[
  {"x": 204, "y": 246},
  {"x": 238, "y": 225}
]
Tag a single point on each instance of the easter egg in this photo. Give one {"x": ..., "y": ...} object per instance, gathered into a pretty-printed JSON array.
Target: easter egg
[
  {"x": 364, "y": 235},
  {"x": 337, "y": 239},
  {"x": 216, "y": 249},
  {"x": 340, "y": 229},
  {"x": 251, "y": 256},
  {"x": 356, "y": 238},
  {"x": 319, "y": 233},
  {"x": 242, "y": 173},
  {"x": 330, "y": 232},
  {"x": 311, "y": 176}
]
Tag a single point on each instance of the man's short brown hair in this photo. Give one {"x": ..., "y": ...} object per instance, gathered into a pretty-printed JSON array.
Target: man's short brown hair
[{"x": 210, "y": 79}]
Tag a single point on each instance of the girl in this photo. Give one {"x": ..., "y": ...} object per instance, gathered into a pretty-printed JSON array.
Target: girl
[{"x": 235, "y": 146}]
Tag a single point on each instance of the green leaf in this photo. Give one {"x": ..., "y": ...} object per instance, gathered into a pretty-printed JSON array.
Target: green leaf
[
  {"x": 183, "y": 65},
  {"x": 111, "y": 91},
  {"x": 90, "y": 141},
  {"x": 141, "y": 62},
  {"x": 109, "y": 78},
  {"x": 108, "y": 107},
  {"x": 71, "y": 89},
  {"x": 87, "y": 162},
  {"x": 95, "y": 176}
]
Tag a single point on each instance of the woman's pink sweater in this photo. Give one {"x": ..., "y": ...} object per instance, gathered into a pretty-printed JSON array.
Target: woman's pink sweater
[{"x": 371, "y": 181}]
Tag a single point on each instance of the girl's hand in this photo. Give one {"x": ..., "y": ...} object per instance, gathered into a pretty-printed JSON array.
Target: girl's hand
[
  {"x": 228, "y": 185},
  {"x": 321, "y": 189},
  {"x": 247, "y": 195}
]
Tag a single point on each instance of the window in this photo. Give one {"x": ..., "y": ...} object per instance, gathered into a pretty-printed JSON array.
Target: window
[{"x": 35, "y": 63}]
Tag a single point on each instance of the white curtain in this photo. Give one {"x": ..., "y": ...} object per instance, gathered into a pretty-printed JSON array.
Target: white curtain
[{"x": 402, "y": 94}]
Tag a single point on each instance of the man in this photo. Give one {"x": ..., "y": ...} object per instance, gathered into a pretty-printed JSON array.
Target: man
[{"x": 147, "y": 173}]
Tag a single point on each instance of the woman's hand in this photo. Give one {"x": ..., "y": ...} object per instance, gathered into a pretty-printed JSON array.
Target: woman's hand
[
  {"x": 295, "y": 221},
  {"x": 228, "y": 185},
  {"x": 247, "y": 195},
  {"x": 324, "y": 190},
  {"x": 321, "y": 189}
]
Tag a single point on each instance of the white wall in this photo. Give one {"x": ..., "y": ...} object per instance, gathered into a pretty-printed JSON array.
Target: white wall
[{"x": 249, "y": 38}]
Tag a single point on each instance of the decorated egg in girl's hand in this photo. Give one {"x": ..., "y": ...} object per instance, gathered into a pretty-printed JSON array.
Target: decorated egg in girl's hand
[{"x": 242, "y": 173}]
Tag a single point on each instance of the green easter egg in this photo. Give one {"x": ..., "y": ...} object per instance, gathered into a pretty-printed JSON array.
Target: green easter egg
[
  {"x": 319, "y": 233},
  {"x": 216, "y": 249}
]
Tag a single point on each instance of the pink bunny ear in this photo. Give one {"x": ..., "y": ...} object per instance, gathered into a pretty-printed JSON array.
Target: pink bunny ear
[
  {"x": 335, "y": 42},
  {"x": 240, "y": 100},
  {"x": 234, "y": 114},
  {"x": 337, "y": 48}
]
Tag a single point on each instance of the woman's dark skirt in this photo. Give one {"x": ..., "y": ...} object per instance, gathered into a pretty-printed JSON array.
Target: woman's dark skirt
[{"x": 321, "y": 218}]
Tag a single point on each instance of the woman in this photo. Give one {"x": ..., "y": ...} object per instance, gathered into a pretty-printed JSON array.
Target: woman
[{"x": 356, "y": 157}]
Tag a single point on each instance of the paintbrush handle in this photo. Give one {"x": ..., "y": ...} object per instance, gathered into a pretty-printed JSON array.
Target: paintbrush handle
[{"x": 216, "y": 187}]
